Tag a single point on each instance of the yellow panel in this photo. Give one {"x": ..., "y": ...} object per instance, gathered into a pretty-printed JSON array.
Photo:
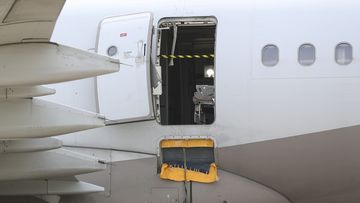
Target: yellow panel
[
  {"x": 203, "y": 177},
  {"x": 173, "y": 143},
  {"x": 200, "y": 143},
  {"x": 178, "y": 174},
  {"x": 170, "y": 173}
]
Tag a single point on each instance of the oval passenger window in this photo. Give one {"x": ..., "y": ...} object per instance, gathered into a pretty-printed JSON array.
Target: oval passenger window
[
  {"x": 307, "y": 54},
  {"x": 270, "y": 55},
  {"x": 343, "y": 54}
]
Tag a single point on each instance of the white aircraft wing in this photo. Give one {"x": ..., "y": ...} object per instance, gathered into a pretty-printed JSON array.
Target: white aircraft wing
[{"x": 28, "y": 60}]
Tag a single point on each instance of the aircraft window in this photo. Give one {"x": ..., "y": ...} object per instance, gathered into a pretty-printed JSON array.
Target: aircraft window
[
  {"x": 306, "y": 55},
  {"x": 343, "y": 54},
  {"x": 270, "y": 55},
  {"x": 186, "y": 56}
]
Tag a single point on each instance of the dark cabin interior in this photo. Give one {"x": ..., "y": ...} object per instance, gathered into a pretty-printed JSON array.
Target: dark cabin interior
[{"x": 179, "y": 81}]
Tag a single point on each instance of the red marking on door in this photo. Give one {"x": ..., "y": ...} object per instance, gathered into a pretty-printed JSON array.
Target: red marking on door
[{"x": 124, "y": 34}]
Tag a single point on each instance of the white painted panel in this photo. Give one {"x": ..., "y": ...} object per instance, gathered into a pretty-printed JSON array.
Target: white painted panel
[
  {"x": 78, "y": 93},
  {"x": 72, "y": 187},
  {"x": 273, "y": 24},
  {"x": 125, "y": 96}
]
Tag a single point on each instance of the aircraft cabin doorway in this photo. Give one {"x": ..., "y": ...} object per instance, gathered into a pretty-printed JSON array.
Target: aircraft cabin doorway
[{"x": 186, "y": 57}]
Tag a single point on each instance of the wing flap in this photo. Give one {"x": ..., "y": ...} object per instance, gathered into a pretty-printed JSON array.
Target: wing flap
[
  {"x": 46, "y": 165},
  {"x": 35, "y": 118},
  {"x": 26, "y": 64},
  {"x": 5, "y": 7},
  {"x": 47, "y": 187},
  {"x": 28, "y": 19},
  {"x": 34, "y": 10},
  {"x": 25, "y": 92},
  {"x": 15, "y": 33},
  {"x": 29, "y": 145}
]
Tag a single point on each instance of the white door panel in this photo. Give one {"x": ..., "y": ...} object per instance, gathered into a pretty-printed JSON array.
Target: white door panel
[{"x": 126, "y": 96}]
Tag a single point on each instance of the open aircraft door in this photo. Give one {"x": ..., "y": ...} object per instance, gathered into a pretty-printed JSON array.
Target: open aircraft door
[{"x": 126, "y": 96}]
